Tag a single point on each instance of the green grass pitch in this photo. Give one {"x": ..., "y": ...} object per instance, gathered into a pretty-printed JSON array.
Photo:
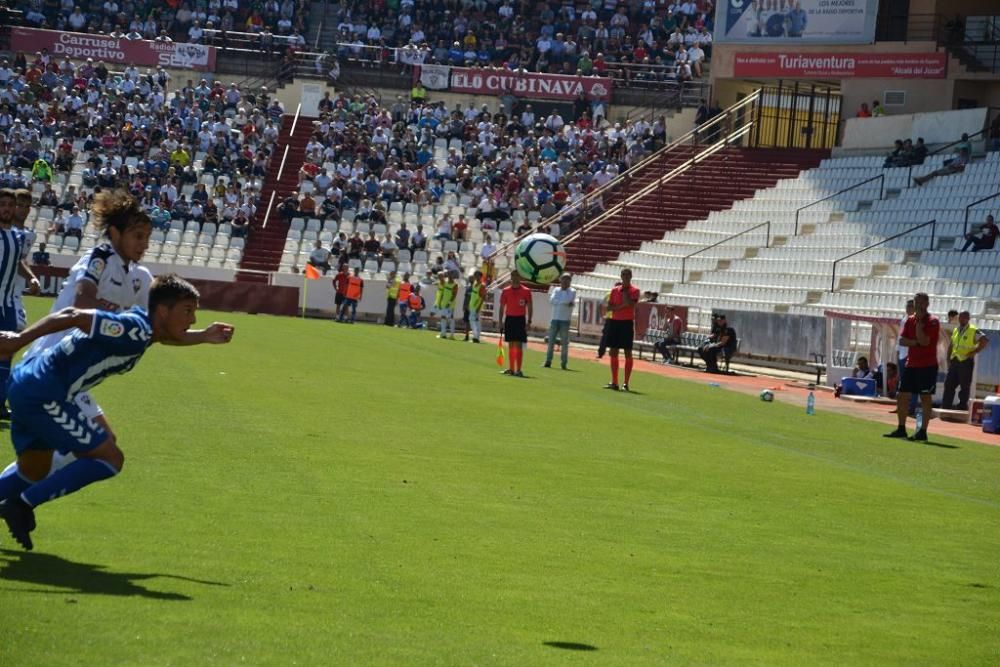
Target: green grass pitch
[{"x": 323, "y": 494}]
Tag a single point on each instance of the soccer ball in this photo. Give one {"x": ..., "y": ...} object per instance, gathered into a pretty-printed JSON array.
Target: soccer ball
[
  {"x": 540, "y": 258},
  {"x": 766, "y": 395}
]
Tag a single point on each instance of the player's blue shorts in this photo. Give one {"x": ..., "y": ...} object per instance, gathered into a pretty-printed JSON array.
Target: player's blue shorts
[{"x": 45, "y": 423}]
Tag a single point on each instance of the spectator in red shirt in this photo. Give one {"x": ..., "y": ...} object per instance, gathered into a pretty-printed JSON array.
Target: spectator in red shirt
[
  {"x": 920, "y": 336},
  {"x": 621, "y": 329},
  {"x": 515, "y": 317},
  {"x": 986, "y": 238}
]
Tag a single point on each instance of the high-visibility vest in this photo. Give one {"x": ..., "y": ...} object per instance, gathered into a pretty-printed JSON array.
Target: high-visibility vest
[
  {"x": 475, "y": 297},
  {"x": 354, "y": 284},
  {"x": 416, "y": 303},
  {"x": 445, "y": 296},
  {"x": 404, "y": 292},
  {"x": 392, "y": 289},
  {"x": 963, "y": 343}
]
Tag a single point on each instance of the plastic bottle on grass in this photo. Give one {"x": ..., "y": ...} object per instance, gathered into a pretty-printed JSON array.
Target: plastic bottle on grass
[
  {"x": 811, "y": 404},
  {"x": 919, "y": 417}
]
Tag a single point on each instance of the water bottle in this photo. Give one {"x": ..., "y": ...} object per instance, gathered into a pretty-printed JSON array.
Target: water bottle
[
  {"x": 920, "y": 419},
  {"x": 811, "y": 404}
]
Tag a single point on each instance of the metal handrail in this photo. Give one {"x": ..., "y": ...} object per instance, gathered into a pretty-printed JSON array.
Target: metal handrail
[
  {"x": 881, "y": 195},
  {"x": 909, "y": 174},
  {"x": 322, "y": 22},
  {"x": 965, "y": 225},
  {"x": 932, "y": 223},
  {"x": 585, "y": 204},
  {"x": 291, "y": 133},
  {"x": 281, "y": 167},
  {"x": 270, "y": 204},
  {"x": 767, "y": 244}
]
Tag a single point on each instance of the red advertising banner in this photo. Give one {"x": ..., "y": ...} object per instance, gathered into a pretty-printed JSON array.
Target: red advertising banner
[
  {"x": 528, "y": 84},
  {"x": 654, "y": 316},
  {"x": 841, "y": 65},
  {"x": 647, "y": 316},
  {"x": 80, "y": 46}
]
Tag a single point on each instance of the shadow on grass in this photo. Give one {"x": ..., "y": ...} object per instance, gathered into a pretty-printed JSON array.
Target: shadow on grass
[
  {"x": 571, "y": 646},
  {"x": 83, "y": 578},
  {"x": 940, "y": 444}
]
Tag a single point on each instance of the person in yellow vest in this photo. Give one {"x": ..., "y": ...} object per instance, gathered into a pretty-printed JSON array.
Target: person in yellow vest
[
  {"x": 355, "y": 290},
  {"x": 444, "y": 303},
  {"x": 403, "y": 298},
  {"x": 475, "y": 292},
  {"x": 418, "y": 93},
  {"x": 392, "y": 284},
  {"x": 415, "y": 305},
  {"x": 966, "y": 342}
]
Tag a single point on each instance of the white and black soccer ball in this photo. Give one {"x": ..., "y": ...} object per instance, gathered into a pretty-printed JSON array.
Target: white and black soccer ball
[
  {"x": 766, "y": 395},
  {"x": 540, "y": 259}
]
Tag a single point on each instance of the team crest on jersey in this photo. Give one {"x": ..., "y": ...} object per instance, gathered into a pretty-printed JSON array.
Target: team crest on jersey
[
  {"x": 96, "y": 267},
  {"x": 112, "y": 329},
  {"x": 136, "y": 285}
]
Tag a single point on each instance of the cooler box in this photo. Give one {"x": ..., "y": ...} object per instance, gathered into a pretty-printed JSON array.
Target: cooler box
[
  {"x": 991, "y": 414},
  {"x": 859, "y": 387}
]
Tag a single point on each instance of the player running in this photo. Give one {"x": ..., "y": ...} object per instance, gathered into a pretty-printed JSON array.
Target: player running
[{"x": 44, "y": 389}]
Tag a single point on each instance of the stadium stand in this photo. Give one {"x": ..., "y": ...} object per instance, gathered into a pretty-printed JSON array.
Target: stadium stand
[
  {"x": 793, "y": 273},
  {"x": 195, "y": 155},
  {"x": 641, "y": 42}
]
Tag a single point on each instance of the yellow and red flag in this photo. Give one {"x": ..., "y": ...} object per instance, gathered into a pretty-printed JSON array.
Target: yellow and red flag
[{"x": 500, "y": 355}]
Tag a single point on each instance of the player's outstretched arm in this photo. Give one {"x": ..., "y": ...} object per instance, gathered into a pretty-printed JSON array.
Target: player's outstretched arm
[
  {"x": 23, "y": 270},
  {"x": 217, "y": 334},
  {"x": 67, "y": 318}
]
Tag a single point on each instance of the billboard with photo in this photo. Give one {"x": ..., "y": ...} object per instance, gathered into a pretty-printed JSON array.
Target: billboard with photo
[{"x": 796, "y": 21}]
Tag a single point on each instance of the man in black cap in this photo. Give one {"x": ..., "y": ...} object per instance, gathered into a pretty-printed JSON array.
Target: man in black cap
[{"x": 723, "y": 339}]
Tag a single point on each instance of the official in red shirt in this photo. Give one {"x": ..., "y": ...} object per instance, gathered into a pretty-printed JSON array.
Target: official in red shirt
[
  {"x": 515, "y": 304},
  {"x": 621, "y": 327},
  {"x": 920, "y": 335},
  {"x": 340, "y": 285}
]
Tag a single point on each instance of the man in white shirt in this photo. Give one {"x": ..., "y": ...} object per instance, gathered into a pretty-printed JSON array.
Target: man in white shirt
[
  {"x": 320, "y": 257},
  {"x": 562, "y": 299},
  {"x": 695, "y": 57}
]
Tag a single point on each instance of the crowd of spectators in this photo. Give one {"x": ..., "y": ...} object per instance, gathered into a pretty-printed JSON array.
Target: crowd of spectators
[
  {"x": 641, "y": 39},
  {"x": 172, "y": 20},
  {"x": 364, "y": 158},
  {"x": 134, "y": 130}
]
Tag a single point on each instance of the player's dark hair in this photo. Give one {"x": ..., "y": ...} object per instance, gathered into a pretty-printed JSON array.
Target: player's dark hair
[
  {"x": 7, "y": 193},
  {"x": 118, "y": 209},
  {"x": 22, "y": 193},
  {"x": 168, "y": 290}
]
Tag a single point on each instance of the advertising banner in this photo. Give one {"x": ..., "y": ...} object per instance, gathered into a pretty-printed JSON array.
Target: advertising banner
[
  {"x": 796, "y": 21},
  {"x": 590, "y": 314},
  {"x": 528, "y": 84},
  {"x": 653, "y": 316},
  {"x": 790, "y": 65},
  {"x": 434, "y": 77},
  {"x": 80, "y": 46}
]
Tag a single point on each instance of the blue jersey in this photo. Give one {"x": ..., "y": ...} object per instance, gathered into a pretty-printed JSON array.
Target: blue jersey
[
  {"x": 11, "y": 251},
  {"x": 81, "y": 360}
]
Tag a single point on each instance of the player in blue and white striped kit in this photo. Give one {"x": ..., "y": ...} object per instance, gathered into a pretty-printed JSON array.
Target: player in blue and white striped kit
[
  {"x": 11, "y": 264},
  {"x": 43, "y": 391},
  {"x": 22, "y": 208}
]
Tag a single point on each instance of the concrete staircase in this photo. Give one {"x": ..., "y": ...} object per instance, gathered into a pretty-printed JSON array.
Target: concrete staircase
[
  {"x": 711, "y": 185},
  {"x": 265, "y": 244}
]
